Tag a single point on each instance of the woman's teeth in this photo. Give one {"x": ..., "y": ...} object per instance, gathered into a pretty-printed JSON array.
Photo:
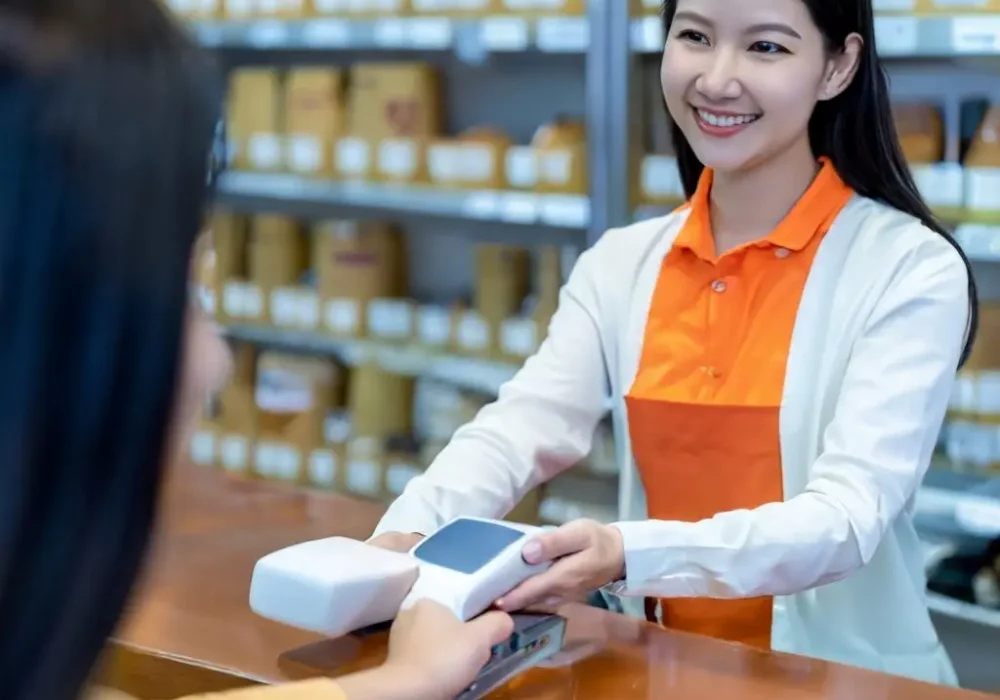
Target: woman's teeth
[{"x": 716, "y": 120}]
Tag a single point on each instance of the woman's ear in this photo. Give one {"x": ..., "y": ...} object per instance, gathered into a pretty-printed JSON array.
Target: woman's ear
[{"x": 842, "y": 68}]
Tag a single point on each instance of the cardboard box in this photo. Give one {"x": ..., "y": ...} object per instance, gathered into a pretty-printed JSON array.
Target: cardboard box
[
  {"x": 474, "y": 160},
  {"x": 921, "y": 132},
  {"x": 256, "y": 119},
  {"x": 293, "y": 395},
  {"x": 278, "y": 251},
  {"x": 315, "y": 118},
  {"x": 381, "y": 403},
  {"x": 356, "y": 262},
  {"x": 395, "y": 100},
  {"x": 503, "y": 279},
  {"x": 561, "y": 148}
]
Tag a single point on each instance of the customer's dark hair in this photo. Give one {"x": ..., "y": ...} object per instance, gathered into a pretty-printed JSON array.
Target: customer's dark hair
[
  {"x": 854, "y": 130},
  {"x": 107, "y": 116}
]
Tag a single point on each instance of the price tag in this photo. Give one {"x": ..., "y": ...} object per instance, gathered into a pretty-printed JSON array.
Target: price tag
[
  {"x": 430, "y": 32},
  {"x": 268, "y": 34},
  {"x": 563, "y": 34},
  {"x": 481, "y": 205},
  {"x": 519, "y": 337},
  {"x": 363, "y": 478},
  {"x": 504, "y": 33},
  {"x": 897, "y": 36},
  {"x": 571, "y": 211},
  {"x": 979, "y": 34},
  {"x": 323, "y": 33},
  {"x": 390, "y": 33},
  {"x": 520, "y": 208},
  {"x": 323, "y": 468}
]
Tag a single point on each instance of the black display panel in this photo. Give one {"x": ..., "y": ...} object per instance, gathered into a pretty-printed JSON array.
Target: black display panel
[{"x": 466, "y": 546}]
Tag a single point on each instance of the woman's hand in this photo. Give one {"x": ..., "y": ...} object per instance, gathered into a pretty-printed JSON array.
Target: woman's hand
[
  {"x": 587, "y": 554},
  {"x": 440, "y": 653}
]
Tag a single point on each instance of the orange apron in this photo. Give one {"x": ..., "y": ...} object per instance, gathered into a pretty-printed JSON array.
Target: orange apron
[{"x": 703, "y": 409}]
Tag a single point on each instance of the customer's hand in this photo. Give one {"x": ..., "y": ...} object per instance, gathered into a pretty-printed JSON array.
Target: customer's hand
[
  {"x": 439, "y": 652},
  {"x": 586, "y": 555},
  {"x": 397, "y": 541}
]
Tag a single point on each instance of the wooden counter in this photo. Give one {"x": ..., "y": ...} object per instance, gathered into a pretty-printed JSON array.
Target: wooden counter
[{"x": 189, "y": 628}]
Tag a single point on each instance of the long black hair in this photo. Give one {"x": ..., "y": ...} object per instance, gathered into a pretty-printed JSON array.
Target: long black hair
[
  {"x": 855, "y": 130},
  {"x": 107, "y": 118}
]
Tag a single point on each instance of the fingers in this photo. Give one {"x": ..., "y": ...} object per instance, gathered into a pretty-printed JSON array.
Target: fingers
[
  {"x": 492, "y": 627},
  {"x": 553, "y": 584},
  {"x": 561, "y": 542}
]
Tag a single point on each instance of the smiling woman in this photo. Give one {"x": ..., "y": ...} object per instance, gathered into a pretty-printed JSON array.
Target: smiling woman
[{"x": 779, "y": 354}]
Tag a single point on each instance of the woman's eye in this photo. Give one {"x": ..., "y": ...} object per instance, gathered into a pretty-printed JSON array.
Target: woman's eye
[
  {"x": 691, "y": 35},
  {"x": 768, "y": 47}
]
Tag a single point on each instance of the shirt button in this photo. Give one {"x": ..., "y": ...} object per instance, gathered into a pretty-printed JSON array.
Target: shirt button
[
  {"x": 719, "y": 286},
  {"x": 782, "y": 253}
]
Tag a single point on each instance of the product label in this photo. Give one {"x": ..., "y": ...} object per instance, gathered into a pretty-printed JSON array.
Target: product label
[
  {"x": 323, "y": 468},
  {"x": 661, "y": 178},
  {"x": 398, "y": 476},
  {"x": 353, "y": 157},
  {"x": 521, "y": 164},
  {"x": 390, "y": 319},
  {"x": 305, "y": 154},
  {"x": 473, "y": 333},
  {"x": 398, "y": 158},
  {"x": 363, "y": 478},
  {"x": 519, "y": 337},
  {"x": 203, "y": 448},
  {"x": 234, "y": 453},
  {"x": 342, "y": 316},
  {"x": 434, "y": 326},
  {"x": 282, "y": 391},
  {"x": 504, "y": 33}
]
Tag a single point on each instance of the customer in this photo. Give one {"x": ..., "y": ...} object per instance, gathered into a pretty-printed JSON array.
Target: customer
[{"x": 107, "y": 117}]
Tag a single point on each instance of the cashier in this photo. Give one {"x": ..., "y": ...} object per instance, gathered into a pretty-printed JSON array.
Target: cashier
[{"x": 778, "y": 354}]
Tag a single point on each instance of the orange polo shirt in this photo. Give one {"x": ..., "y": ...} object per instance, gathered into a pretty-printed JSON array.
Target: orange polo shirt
[
  {"x": 719, "y": 327},
  {"x": 703, "y": 410}
]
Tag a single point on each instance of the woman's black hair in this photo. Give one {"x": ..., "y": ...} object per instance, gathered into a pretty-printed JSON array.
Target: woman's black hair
[
  {"x": 107, "y": 118},
  {"x": 855, "y": 130}
]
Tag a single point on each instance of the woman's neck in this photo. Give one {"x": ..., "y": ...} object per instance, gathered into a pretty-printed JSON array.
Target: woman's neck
[{"x": 748, "y": 205}]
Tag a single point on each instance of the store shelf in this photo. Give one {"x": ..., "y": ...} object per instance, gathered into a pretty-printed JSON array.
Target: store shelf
[
  {"x": 299, "y": 195},
  {"x": 960, "y": 610},
  {"x": 468, "y": 373},
  {"x": 960, "y": 506},
  {"x": 897, "y": 36},
  {"x": 466, "y": 37}
]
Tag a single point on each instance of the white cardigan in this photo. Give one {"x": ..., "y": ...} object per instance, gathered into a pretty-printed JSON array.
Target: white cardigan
[{"x": 879, "y": 332}]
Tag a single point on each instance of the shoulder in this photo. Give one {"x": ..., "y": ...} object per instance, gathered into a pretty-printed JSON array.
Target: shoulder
[{"x": 899, "y": 248}]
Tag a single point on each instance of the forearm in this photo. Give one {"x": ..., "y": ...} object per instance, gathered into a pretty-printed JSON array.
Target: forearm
[
  {"x": 386, "y": 683},
  {"x": 777, "y": 549}
]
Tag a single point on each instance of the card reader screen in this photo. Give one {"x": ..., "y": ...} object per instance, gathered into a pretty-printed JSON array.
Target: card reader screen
[{"x": 466, "y": 546}]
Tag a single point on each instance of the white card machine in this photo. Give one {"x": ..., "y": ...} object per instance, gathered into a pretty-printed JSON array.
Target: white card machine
[{"x": 337, "y": 585}]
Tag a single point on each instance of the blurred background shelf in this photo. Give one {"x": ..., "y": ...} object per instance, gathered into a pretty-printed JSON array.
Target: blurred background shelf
[
  {"x": 897, "y": 35},
  {"x": 467, "y": 37}
]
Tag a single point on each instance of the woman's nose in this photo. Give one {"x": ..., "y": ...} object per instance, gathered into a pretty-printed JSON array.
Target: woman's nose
[{"x": 719, "y": 79}]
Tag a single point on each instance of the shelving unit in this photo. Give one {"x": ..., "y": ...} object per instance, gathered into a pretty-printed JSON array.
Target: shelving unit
[{"x": 602, "y": 65}]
